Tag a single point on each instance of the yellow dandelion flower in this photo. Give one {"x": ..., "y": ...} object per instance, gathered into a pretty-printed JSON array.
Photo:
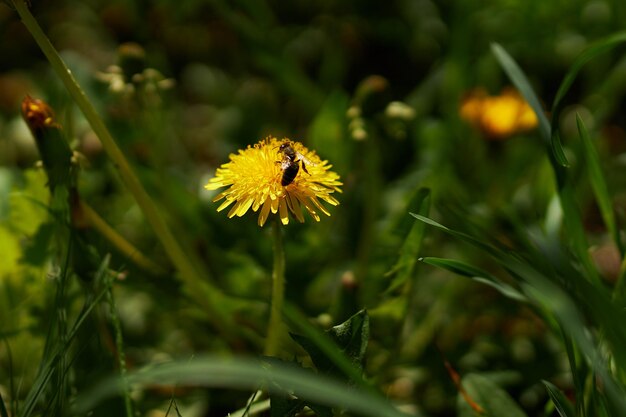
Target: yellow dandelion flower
[
  {"x": 276, "y": 179},
  {"x": 498, "y": 117}
]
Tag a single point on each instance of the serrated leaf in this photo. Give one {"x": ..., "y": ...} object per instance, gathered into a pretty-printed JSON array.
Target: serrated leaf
[
  {"x": 325, "y": 344},
  {"x": 476, "y": 274},
  {"x": 323, "y": 364},
  {"x": 561, "y": 403},
  {"x": 351, "y": 337},
  {"x": 494, "y": 401},
  {"x": 598, "y": 183}
]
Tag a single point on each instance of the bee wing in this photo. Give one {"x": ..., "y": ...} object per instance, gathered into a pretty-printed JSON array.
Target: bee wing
[{"x": 304, "y": 159}]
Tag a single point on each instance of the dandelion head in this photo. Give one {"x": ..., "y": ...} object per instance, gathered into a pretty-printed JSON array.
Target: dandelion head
[
  {"x": 276, "y": 177},
  {"x": 498, "y": 117}
]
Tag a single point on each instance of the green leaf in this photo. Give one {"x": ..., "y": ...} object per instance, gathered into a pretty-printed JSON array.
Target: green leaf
[
  {"x": 494, "y": 401},
  {"x": 476, "y": 274},
  {"x": 325, "y": 344},
  {"x": 561, "y": 403},
  {"x": 598, "y": 183},
  {"x": 410, "y": 249},
  {"x": 351, "y": 337},
  {"x": 518, "y": 78}
]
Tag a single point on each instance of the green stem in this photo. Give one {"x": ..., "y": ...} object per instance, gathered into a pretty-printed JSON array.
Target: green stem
[
  {"x": 278, "y": 292},
  {"x": 207, "y": 295}
]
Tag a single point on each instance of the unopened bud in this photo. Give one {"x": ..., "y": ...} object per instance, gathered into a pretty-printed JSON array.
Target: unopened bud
[{"x": 55, "y": 152}]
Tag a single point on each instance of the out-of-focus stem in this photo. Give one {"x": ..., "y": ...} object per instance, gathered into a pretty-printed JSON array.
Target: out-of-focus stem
[{"x": 275, "y": 326}]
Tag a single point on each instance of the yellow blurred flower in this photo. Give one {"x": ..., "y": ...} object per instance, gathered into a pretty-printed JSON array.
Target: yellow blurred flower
[
  {"x": 498, "y": 117},
  {"x": 255, "y": 177}
]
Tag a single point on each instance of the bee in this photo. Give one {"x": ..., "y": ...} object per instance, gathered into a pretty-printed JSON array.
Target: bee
[{"x": 290, "y": 164}]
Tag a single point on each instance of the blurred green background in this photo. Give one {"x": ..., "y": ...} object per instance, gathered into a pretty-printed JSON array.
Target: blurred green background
[{"x": 375, "y": 88}]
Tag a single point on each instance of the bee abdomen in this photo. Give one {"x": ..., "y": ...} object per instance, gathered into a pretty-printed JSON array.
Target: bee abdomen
[{"x": 289, "y": 174}]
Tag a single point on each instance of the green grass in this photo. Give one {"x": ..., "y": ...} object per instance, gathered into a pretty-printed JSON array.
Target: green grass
[{"x": 124, "y": 292}]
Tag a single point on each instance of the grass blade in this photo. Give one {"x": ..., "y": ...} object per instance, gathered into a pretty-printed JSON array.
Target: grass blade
[
  {"x": 50, "y": 366},
  {"x": 561, "y": 403},
  {"x": 518, "y": 78},
  {"x": 493, "y": 400},
  {"x": 557, "y": 157},
  {"x": 586, "y": 56},
  {"x": 563, "y": 293},
  {"x": 477, "y": 275},
  {"x": 245, "y": 373},
  {"x": 598, "y": 183},
  {"x": 463, "y": 236},
  {"x": 410, "y": 249}
]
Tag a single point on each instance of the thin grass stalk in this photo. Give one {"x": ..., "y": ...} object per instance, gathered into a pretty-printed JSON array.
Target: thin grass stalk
[
  {"x": 119, "y": 344},
  {"x": 275, "y": 326},
  {"x": 117, "y": 240},
  {"x": 205, "y": 294},
  {"x": 61, "y": 301}
]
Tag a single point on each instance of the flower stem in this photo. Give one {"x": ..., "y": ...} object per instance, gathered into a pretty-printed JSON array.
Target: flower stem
[
  {"x": 205, "y": 294},
  {"x": 278, "y": 292}
]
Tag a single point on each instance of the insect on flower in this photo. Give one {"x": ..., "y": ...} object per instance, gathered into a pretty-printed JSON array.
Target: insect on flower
[{"x": 256, "y": 180}]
